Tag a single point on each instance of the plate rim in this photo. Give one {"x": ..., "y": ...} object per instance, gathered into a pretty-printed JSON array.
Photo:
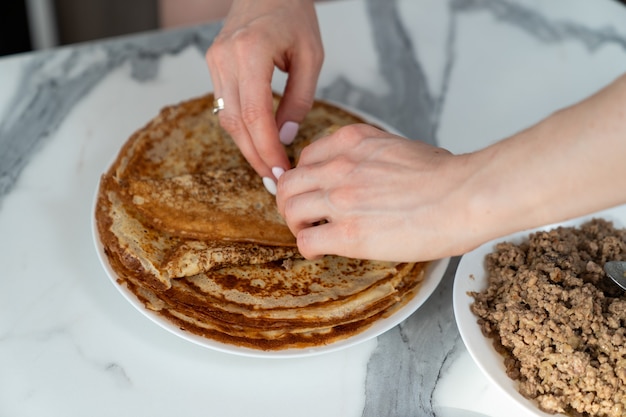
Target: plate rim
[
  {"x": 470, "y": 276},
  {"x": 434, "y": 274},
  {"x": 435, "y": 271}
]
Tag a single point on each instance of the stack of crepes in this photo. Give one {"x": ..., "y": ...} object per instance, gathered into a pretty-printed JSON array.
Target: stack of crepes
[{"x": 188, "y": 227}]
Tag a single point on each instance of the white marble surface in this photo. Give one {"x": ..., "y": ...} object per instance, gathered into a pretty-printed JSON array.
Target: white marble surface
[{"x": 461, "y": 73}]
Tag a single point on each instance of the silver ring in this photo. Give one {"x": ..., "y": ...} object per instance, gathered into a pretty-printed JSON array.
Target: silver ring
[{"x": 218, "y": 105}]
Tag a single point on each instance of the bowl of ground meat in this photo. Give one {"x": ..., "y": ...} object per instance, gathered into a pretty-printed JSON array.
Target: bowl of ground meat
[{"x": 541, "y": 320}]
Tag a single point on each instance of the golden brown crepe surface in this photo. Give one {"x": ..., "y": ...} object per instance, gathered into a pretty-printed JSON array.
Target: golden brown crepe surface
[{"x": 189, "y": 228}]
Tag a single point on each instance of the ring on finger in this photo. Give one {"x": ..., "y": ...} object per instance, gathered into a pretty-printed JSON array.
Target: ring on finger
[{"x": 218, "y": 105}]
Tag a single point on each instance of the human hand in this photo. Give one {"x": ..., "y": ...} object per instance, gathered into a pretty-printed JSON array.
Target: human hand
[
  {"x": 364, "y": 193},
  {"x": 256, "y": 37}
]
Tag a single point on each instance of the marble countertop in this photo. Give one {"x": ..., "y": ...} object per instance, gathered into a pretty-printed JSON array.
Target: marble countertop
[{"x": 459, "y": 73}]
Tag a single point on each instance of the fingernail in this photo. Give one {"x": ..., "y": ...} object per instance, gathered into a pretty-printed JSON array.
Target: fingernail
[
  {"x": 270, "y": 185},
  {"x": 288, "y": 132},
  {"x": 277, "y": 171}
]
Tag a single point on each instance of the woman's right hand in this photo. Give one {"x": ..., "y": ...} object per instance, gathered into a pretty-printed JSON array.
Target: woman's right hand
[
  {"x": 258, "y": 36},
  {"x": 364, "y": 193}
]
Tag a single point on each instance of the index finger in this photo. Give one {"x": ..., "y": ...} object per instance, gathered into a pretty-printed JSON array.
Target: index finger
[
  {"x": 257, "y": 112},
  {"x": 225, "y": 67},
  {"x": 339, "y": 142}
]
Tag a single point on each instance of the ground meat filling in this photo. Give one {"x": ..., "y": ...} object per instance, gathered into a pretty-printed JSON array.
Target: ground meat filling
[{"x": 557, "y": 320}]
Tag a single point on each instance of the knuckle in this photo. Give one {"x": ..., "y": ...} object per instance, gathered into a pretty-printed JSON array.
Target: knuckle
[
  {"x": 293, "y": 217},
  {"x": 314, "y": 56},
  {"x": 244, "y": 37},
  {"x": 306, "y": 245},
  {"x": 251, "y": 113},
  {"x": 318, "y": 54},
  {"x": 289, "y": 211},
  {"x": 217, "y": 50},
  {"x": 305, "y": 155},
  {"x": 232, "y": 124},
  {"x": 342, "y": 200},
  {"x": 283, "y": 190},
  {"x": 352, "y": 134},
  {"x": 245, "y": 42},
  {"x": 300, "y": 105},
  {"x": 239, "y": 43},
  {"x": 341, "y": 166},
  {"x": 350, "y": 231}
]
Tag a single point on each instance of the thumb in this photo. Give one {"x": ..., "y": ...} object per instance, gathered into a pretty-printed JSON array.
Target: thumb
[{"x": 297, "y": 99}]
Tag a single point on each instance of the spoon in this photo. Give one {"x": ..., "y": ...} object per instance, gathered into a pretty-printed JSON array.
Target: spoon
[{"x": 616, "y": 270}]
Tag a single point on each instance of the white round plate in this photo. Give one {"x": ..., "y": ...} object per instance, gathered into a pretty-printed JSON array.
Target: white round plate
[
  {"x": 434, "y": 274},
  {"x": 470, "y": 276}
]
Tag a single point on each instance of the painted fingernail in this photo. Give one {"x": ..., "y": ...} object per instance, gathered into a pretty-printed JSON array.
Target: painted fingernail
[
  {"x": 288, "y": 132},
  {"x": 277, "y": 171},
  {"x": 270, "y": 185}
]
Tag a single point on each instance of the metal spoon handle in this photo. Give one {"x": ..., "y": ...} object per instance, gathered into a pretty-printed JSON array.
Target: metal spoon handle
[{"x": 616, "y": 270}]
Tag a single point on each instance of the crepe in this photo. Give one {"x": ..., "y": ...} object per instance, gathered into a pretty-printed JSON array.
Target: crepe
[
  {"x": 227, "y": 204},
  {"x": 158, "y": 256},
  {"x": 181, "y": 169},
  {"x": 188, "y": 227}
]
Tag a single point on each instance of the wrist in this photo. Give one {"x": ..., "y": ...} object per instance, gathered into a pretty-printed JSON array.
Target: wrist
[
  {"x": 502, "y": 196},
  {"x": 513, "y": 184}
]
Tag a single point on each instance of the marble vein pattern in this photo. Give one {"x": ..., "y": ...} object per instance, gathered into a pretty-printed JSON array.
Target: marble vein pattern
[
  {"x": 401, "y": 377},
  {"x": 404, "y": 369},
  {"x": 53, "y": 83},
  {"x": 535, "y": 24},
  {"x": 409, "y": 106}
]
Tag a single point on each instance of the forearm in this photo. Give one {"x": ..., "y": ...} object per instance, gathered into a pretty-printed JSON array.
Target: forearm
[
  {"x": 570, "y": 164},
  {"x": 388, "y": 198}
]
